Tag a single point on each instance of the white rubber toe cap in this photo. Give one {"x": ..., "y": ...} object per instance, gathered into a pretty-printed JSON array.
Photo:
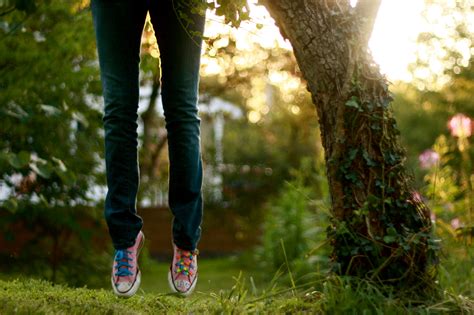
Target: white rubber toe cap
[{"x": 127, "y": 289}]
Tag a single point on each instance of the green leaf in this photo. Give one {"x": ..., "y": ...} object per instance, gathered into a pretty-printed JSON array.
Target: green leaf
[
  {"x": 50, "y": 110},
  {"x": 43, "y": 169},
  {"x": 81, "y": 118},
  {"x": 368, "y": 159},
  {"x": 389, "y": 239},
  {"x": 353, "y": 103},
  {"x": 11, "y": 205},
  {"x": 59, "y": 164},
  {"x": 391, "y": 231},
  {"x": 43, "y": 200},
  {"x": 68, "y": 177},
  {"x": 19, "y": 160}
]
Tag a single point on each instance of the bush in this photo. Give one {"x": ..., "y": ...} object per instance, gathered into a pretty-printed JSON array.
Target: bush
[{"x": 293, "y": 230}]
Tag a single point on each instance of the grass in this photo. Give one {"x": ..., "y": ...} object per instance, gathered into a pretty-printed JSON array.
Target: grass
[
  {"x": 223, "y": 288},
  {"x": 41, "y": 297},
  {"x": 214, "y": 275}
]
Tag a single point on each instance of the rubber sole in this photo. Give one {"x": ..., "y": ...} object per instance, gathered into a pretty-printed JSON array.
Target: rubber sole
[
  {"x": 133, "y": 289},
  {"x": 173, "y": 288}
]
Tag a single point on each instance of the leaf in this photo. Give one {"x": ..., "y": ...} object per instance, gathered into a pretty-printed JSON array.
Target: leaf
[
  {"x": 391, "y": 231},
  {"x": 368, "y": 159},
  {"x": 43, "y": 169},
  {"x": 14, "y": 110},
  {"x": 68, "y": 177},
  {"x": 19, "y": 160},
  {"x": 80, "y": 118},
  {"x": 353, "y": 103},
  {"x": 389, "y": 239},
  {"x": 60, "y": 165},
  {"x": 353, "y": 153},
  {"x": 43, "y": 200},
  {"x": 220, "y": 10},
  {"x": 11, "y": 205},
  {"x": 50, "y": 110}
]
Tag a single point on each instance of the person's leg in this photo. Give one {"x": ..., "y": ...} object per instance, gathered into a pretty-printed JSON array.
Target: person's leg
[
  {"x": 180, "y": 52},
  {"x": 118, "y": 26}
]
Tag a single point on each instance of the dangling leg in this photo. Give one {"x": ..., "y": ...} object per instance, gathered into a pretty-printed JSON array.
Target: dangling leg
[
  {"x": 119, "y": 25},
  {"x": 180, "y": 51}
]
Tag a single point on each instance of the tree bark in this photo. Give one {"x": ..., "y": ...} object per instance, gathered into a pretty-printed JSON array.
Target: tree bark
[{"x": 380, "y": 228}]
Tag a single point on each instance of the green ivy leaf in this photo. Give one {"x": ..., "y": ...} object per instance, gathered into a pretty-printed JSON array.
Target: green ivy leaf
[
  {"x": 368, "y": 159},
  {"x": 391, "y": 231},
  {"x": 389, "y": 239},
  {"x": 353, "y": 103}
]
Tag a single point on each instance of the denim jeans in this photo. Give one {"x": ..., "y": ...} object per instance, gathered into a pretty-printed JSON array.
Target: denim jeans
[{"x": 118, "y": 26}]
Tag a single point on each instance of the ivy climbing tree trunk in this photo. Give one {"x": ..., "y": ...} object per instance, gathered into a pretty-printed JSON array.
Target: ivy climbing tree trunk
[{"x": 380, "y": 227}]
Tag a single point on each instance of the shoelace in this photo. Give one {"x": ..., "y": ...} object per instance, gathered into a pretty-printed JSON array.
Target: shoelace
[
  {"x": 122, "y": 258},
  {"x": 184, "y": 265}
]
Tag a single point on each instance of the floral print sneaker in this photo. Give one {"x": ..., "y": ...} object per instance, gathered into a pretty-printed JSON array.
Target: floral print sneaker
[
  {"x": 126, "y": 276},
  {"x": 182, "y": 276}
]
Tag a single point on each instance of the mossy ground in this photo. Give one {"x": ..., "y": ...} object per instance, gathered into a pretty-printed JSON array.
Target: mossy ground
[{"x": 221, "y": 290}]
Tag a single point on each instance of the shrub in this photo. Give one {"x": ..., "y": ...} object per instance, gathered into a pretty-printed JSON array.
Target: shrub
[{"x": 293, "y": 230}]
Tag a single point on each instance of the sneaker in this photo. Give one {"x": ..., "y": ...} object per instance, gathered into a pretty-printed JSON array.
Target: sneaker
[
  {"x": 126, "y": 276},
  {"x": 182, "y": 276}
]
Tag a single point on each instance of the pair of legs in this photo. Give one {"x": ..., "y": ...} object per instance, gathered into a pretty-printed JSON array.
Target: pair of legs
[{"x": 118, "y": 26}]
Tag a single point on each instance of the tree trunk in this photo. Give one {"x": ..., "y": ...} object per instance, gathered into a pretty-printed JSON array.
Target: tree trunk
[{"x": 380, "y": 228}]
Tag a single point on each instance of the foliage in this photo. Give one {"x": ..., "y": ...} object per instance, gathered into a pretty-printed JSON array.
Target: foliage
[
  {"x": 66, "y": 248},
  {"x": 383, "y": 233},
  {"x": 445, "y": 46},
  {"x": 278, "y": 127},
  {"x": 51, "y": 144},
  {"x": 292, "y": 237},
  {"x": 449, "y": 189},
  {"x": 417, "y": 109},
  {"x": 234, "y": 11},
  {"x": 440, "y": 145},
  {"x": 8, "y": 6},
  {"x": 257, "y": 153}
]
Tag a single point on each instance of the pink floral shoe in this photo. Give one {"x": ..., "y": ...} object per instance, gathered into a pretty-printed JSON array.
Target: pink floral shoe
[
  {"x": 126, "y": 276},
  {"x": 182, "y": 276}
]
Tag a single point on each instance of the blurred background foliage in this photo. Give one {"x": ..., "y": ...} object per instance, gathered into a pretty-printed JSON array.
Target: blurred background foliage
[{"x": 261, "y": 148}]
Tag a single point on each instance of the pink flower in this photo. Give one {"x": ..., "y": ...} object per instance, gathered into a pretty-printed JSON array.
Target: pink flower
[
  {"x": 433, "y": 216},
  {"x": 455, "y": 223},
  {"x": 428, "y": 159},
  {"x": 460, "y": 126}
]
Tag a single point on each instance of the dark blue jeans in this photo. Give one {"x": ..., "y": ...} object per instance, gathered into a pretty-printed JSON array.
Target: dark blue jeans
[{"x": 118, "y": 26}]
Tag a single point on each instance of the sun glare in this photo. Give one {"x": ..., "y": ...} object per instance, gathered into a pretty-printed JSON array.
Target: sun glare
[{"x": 393, "y": 41}]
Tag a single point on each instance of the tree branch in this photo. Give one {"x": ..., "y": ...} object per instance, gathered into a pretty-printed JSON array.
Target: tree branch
[
  {"x": 7, "y": 11},
  {"x": 367, "y": 11}
]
